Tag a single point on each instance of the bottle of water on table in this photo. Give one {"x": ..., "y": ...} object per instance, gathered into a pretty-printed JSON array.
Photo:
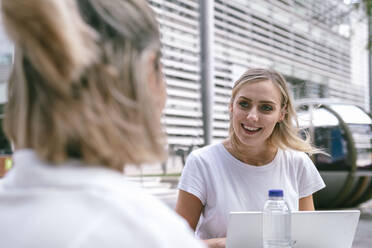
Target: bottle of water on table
[{"x": 276, "y": 221}]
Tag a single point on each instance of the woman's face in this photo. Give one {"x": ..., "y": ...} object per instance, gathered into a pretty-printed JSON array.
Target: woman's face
[{"x": 255, "y": 111}]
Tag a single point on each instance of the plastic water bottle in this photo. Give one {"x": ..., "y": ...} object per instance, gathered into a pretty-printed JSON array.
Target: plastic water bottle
[{"x": 276, "y": 221}]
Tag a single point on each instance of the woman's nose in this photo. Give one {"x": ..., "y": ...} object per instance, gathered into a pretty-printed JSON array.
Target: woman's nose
[{"x": 253, "y": 114}]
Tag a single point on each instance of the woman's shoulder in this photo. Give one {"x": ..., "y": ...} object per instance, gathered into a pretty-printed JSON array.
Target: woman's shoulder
[
  {"x": 206, "y": 157},
  {"x": 295, "y": 156},
  {"x": 207, "y": 151},
  {"x": 128, "y": 196},
  {"x": 294, "y": 153},
  {"x": 124, "y": 207}
]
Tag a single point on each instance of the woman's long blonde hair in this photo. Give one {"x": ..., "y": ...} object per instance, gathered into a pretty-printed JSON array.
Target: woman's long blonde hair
[
  {"x": 78, "y": 88},
  {"x": 286, "y": 134}
]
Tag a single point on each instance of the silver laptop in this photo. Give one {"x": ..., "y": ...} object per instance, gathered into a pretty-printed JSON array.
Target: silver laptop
[{"x": 310, "y": 229}]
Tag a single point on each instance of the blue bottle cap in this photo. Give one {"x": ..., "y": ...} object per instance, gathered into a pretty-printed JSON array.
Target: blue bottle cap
[{"x": 275, "y": 193}]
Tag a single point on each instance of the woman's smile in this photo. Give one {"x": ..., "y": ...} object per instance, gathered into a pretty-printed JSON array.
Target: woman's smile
[{"x": 250, "y": 129}]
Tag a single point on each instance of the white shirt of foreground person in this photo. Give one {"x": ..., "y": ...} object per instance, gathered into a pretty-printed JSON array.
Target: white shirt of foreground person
[
  {"x": 224, "y": 184},
  {"x": 79, "y": 206}
]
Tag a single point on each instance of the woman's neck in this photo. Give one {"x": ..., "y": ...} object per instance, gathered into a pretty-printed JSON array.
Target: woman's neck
[{"x": 253, "y": 155}]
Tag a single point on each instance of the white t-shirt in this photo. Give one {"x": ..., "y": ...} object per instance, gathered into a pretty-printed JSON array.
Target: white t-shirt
[
  {"x": 74, "y": 205},
  {"x": 224, "y": 184}
]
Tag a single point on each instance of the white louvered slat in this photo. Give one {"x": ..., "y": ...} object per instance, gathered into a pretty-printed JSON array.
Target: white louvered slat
[{"x": 179, "y": 26}]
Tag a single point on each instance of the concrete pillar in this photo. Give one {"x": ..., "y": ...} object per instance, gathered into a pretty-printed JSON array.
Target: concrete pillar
[{"x": 206, "y": 11}]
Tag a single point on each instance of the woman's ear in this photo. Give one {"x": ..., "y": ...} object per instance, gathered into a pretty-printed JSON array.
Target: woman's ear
[
  {"x": 152, "y": 74},
  {"x": 283, "y": 112},
  {"x": 231, "y": 107},
  {"x": 156, "y": 84}
]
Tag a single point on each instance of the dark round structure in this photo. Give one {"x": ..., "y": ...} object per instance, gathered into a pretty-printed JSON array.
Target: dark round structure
[
  {"x": 5, "y": 147},
  {"x": 344, "y": 131}
]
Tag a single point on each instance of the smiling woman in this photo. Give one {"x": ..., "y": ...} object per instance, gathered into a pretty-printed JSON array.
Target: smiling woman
[
  {"x": 85, "y": 98},
  {"x": 263, "y": 151}
]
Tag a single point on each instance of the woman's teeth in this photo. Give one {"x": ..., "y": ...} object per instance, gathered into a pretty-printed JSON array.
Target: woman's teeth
[{"x": 252, "y": 129}]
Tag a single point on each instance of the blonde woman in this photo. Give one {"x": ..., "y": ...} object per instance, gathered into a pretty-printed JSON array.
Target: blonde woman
[
  {"x": 85, "y": 98},
  {"x": 263, "y": 151}
]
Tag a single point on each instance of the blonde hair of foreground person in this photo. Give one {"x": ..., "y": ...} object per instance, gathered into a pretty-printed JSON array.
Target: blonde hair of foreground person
[
  {"x": 285, "y": 133},
  {"x": 78, "y": 88}
]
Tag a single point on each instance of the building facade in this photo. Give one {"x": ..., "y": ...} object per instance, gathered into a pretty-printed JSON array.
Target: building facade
[
  {"x": 309, "y": 42},
  {"x": 301, "y": 39}
]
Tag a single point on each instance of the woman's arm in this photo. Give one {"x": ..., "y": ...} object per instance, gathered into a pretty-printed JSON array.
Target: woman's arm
[
  {"x": 306, "y": 203},
  {"x": 190, "y": 208}
]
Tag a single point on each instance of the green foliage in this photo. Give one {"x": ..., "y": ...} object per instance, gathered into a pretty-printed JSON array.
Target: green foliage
[{"x": 367, "y": 4}]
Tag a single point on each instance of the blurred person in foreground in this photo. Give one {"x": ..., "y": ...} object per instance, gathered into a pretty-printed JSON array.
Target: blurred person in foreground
[
  {"x": 263, "y": 151},
  {"x": 85, "y": 98}
]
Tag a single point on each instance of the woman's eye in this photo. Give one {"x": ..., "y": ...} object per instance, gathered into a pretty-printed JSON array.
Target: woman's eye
[
  {"x": 266, "y": 108},
  {"x": 243, "y": 104}
]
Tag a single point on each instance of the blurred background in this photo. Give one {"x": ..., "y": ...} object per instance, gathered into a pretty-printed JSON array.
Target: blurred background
[{"x": 322, "y": 47}]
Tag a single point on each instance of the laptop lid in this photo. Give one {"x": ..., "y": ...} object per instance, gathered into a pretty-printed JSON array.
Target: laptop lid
[{"x": 310, "y": 229}]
